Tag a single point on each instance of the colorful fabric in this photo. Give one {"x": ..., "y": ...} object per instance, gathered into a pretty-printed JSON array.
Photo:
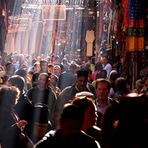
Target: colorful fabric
[{"x": 135, "y": 26}]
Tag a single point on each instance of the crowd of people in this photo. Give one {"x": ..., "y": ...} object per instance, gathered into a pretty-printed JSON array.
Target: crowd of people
[{"x": 52, "y": 102}]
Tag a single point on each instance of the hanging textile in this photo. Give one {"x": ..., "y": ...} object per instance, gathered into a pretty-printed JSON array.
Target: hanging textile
[
  {"x": 4, "y": 14},
  {"x": 90, "y": 37},
  {"x": 125, "y": 13},
  {"x": 135, "y": 26},
  {"x": 134, "y": 39},
  {"x": 3, "y": 24}
]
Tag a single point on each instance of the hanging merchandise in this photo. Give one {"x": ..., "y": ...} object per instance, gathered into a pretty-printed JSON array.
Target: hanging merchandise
[{"x": 90, "y": 37}]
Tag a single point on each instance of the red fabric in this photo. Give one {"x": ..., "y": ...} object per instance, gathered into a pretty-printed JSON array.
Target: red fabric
[
  {"x": 136, "y": 23},
  {"x": 94, "y": 75},
  {"x": 125, "y": 18}
]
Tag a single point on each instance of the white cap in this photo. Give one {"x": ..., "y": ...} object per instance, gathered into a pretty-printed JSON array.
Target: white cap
[{"x": 84, "y": 93}]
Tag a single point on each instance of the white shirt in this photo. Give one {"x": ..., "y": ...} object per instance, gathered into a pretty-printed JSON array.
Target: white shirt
[{"x": 108, "y": 68}]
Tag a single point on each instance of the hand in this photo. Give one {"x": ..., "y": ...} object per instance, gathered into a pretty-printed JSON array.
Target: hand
[{"x": 22, "y": 123}]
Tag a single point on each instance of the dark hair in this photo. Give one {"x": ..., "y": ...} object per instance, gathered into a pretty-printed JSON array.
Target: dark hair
[
  {"x": 113, "y": 75},
  {"x": 8, "y": 63},
  {"x": 8, "y": 96},
  {"x": 83, "y": 103},
  {"x": 35, "y": 77},
  {"x": 101, "y": 74},
  {"x": 82, "y": 73},
  {"x": 50, "y": 65},
  {"x": 17, "y": 81},
  {"x": 98, "y": 66},
  {"x": 72, "y": 111},
  {"x": 121, "y": 83},
  {"x": 21, "y": 72}
]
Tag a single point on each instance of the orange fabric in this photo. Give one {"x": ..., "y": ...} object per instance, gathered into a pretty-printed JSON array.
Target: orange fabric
[
  {"x": 135, "y": 44},
  {"x": 140, "y": 43}
]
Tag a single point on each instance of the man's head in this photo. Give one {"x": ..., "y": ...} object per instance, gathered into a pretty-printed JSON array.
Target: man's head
[
  {"x": 102, "y": 88},
  {"x": 113, "y": 75},
  {"x": 44, "y": 65},
  {"x": 82, "y": 79},
  {"x": 104, "y": 59},
  {"x": 43, "y": 80},
  {"x": 87, "y": 104},
  {"x": 57, "y": 70},
  {"x": 17, "y": 81},
  {"x": 22, "y": 73},
  {"x": 71, "y": 120},
  {"x": 9, "y": 96}
]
